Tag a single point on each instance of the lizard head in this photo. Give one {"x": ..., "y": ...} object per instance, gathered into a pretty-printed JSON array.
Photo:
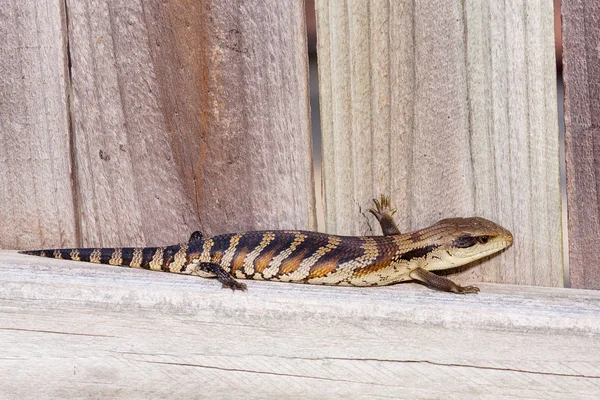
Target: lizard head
[{"x": 460, "y": 241}]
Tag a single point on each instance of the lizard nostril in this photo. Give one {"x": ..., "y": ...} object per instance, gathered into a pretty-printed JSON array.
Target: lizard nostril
[{"x": 509, "y": 239}]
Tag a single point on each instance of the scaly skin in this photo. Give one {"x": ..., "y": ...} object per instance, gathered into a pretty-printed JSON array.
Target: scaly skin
[{"x": 317, "y": 258}]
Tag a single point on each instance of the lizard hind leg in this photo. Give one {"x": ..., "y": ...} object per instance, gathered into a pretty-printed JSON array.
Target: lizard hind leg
[
  {"x": 384, "y": 212},
  {"x": 223, "y": 276}
]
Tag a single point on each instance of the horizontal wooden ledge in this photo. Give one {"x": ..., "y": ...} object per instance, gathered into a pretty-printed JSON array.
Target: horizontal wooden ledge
[{"x": 90, "y": 330}]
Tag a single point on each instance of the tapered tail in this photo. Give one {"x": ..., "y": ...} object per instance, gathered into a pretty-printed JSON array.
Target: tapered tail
[
  {"x": 129, "y": 256},
  {"x": 170, "y": 258}
]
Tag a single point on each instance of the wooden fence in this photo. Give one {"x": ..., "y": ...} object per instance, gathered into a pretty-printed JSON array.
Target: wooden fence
[{"x": 136, "y": 123}]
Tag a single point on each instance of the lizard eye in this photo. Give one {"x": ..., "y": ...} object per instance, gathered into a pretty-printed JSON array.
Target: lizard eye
[
  {"x": 464, "y": 241},
  {"x": 483, "y": 239}
]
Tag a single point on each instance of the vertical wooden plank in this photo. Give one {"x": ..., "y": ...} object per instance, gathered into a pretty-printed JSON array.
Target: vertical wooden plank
[
  {"x": 36, "y": 199},
  {"x": 513, "y": 112},
  {"x": 129, "y": 189},
  {"x": 581, "y": 73},
  {"x": 189, "y": 115},
  {"x": 450, "y": 107},
  {"x": 255, "y": 168}
]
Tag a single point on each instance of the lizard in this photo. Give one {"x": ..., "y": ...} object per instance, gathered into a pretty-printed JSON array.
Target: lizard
[{"x": 317, "y": 258}]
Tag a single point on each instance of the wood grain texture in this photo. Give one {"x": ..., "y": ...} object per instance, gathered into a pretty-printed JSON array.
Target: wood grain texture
[
  {"x": 581, "y": 74},
  {"x": 189, "y": 116},
  {"x": 36, "y": 199},
  {"x": 117, "y": 332},
  {"x": 450, "y": 107},
  {"x": 129, "y": 187},
  {"x": 255, "y": 171}
]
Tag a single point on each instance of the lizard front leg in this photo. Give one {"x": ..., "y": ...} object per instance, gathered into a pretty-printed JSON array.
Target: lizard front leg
[
  {"x": 439, "y": 282},
  {"x": 383, "y": 212}
]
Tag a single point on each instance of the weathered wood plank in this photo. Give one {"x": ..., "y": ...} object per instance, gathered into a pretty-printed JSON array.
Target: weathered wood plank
[
  {"x": 129, "y": 186},
  {"x": 189, "y": 116},
  {"x": 36, "y": 199},
  {"x": 581, "y": 74},
  {"x": 256, "y": 167},
  {"x": 185, "y": 116},
  {"x": 450, "y": 107},
  {"x": 116, "y": 332}
]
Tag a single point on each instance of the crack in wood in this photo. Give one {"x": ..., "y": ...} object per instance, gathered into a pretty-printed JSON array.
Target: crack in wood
[
  {"x": 258, "y": 372},
  {"x": 55, "y": 332},
  {"x": 448, "y": 365},
  {"x": 374, "y": 360}
]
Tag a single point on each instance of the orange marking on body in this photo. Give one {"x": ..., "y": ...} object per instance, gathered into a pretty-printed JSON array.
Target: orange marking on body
[
  {"x": 238, "y": 260},
  {"x": 263, "y": 260},
  {"x": 322, "y": 268},
  {"x": 383, "y": 261},
  {"x": 292, "y": 263},
  {"x": 216, "y": 257}
]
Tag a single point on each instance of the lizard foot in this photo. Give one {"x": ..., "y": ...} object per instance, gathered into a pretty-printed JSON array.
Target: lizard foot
[
  {"x": 383, "y": 207},
  {"x": 466, "y": 289},
  {"x": 383, "y": 211},
  {"x": 227, "y": 281},
  {"x": 234, "y": 285}
]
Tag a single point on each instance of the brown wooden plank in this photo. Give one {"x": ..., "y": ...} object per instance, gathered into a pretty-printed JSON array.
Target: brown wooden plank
[
  {"x": 189, "y": 116},
  {"x": 36, "y": 199},
  {"x": 256, "y": 169},
  {"x": 450, "y": 107},
  {"x": 581, "y": 73}
]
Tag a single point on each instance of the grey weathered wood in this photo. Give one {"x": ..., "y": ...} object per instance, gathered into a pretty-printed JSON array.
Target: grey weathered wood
[
  {"x": 581, "y": 74},
  {"x": 80, "y": 330},
  {"x": 450, "y": 107},
  {"x": 188, "y": 116},
  {"x": 36, "y": 199},
  {"x": 184, "y": 116},
  {"x": 128, "y": 184}
]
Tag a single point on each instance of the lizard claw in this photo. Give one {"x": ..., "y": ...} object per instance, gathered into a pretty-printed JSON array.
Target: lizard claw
[
  {"x": 235, "y": 285},
  {"x": 468, "y": 289},
  {"x": 382, "y": 207}
]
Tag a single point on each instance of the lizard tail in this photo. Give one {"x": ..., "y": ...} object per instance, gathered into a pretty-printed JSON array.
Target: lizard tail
[
  {"x": 155, "y": 258},
  {"x": 112, "y": 256},
  {"x": 170, "y": 258}
]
